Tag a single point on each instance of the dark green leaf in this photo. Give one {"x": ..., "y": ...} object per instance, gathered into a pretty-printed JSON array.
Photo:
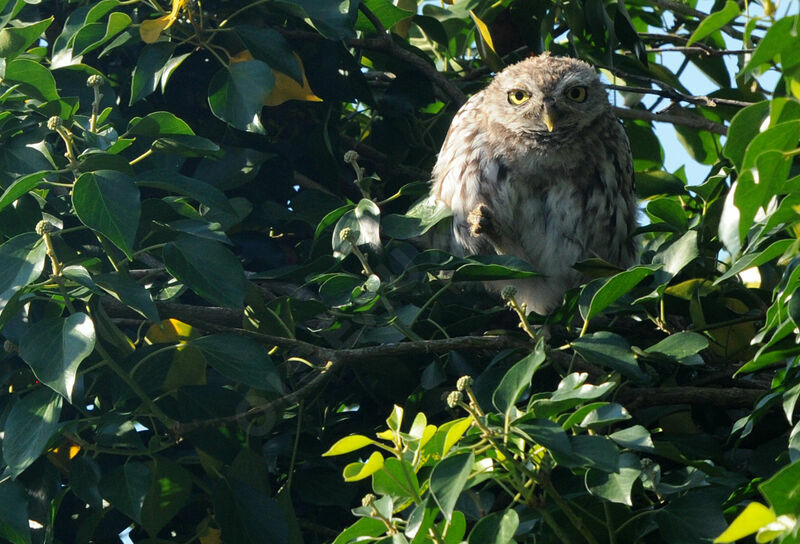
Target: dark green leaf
[
  {"x": 609, "y": 350},
  {"x": 497, "y": 528},
  {"x": 545, "y": 433},
  {"x": 126, "y": 487},
  {"x": 149, "y": 69},
  {"x": 778, "y": 38},
  {"x": 693, "y": 517},
  {"x": 14, "y": 40},
  {"x": 334, "y": 20},
  {"x": 237, "y": 94},
  {"x": 169, "y": 492},
  {"x": 270, "y": 46},
  {"x": 14, "y": 524},
  {"x": 200, "y": 191},
  {"x": 396, "y": 478},
  {"x": 447, "y": 480},
  {"x": 516, "y": 380},
  {"x": 386, "y": 12},
  {"x": 636, "y": 438},
  {"x": 783, "y": 490},
  {"x": 615, "y": 486},
  {"x": 208, "y": 268},
  {"x": 31, "y": 423},
  {"x": 20, "y": 187},
  {"x": 364, "y": 527},
  {"x": 21, "y": 262},
  {"x": 33, "y": 78},
  {"x": 616, "y": 287},
  {"x": 493, "y": 267},
  {"x": 680, "y": 345},
  {"x": 186, "y": 145},
  {"x": 597, "y": 452},
  {"x": 108, "y": 202},
  {"x": 240, "y": 359},
  {"x": 55, "y": 347},
  {"x": 158, "y": 123},
  {"x": 605, "y": 415},
  {"x": 85, "y": 479},
  {"x": 130, "y": 293},
  {"x": 94, "y": 35}
]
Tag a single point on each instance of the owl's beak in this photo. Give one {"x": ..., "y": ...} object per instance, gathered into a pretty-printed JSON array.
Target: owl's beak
[{"x": 547, "y": 118}]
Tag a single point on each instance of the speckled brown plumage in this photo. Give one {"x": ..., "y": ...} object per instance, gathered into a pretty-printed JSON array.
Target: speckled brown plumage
[{"x": 551, "y": 197}]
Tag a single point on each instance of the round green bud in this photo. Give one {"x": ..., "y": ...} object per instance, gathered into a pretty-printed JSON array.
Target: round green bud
[
  {"x": 464, "y": 383},
  {"x": 351, "y": 156},
  {"x": 508, "y": 292},
  {"x": 54, "y": 123},
  {"x": 10, "y": 347},
  {"x": 368, "y": 499},
  {"x": 44, "y": 226},
  {"x": 454, "y": 398},
  {"x": 95, "y": 80}
]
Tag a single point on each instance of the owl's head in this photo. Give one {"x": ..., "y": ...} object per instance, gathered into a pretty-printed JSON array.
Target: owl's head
[{"x": 547, "y": 94}]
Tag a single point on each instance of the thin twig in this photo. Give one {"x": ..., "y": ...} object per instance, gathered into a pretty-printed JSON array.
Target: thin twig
[
  {"x": 692, "y": 121},
  {"x": 675, "y": 95},
  {"x": 706, "y": 51}
]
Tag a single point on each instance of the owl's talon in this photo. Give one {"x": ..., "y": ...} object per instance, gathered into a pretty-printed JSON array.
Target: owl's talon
[{"x": 480, "y": 220}]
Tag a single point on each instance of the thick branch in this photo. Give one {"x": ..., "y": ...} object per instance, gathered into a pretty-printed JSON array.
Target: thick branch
[
  {"x": 728, "y": 397},
  {"x": 692, "y": 121}
]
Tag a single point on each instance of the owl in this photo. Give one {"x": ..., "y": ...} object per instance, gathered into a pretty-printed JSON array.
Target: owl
[{"x": 537, "y": 166}]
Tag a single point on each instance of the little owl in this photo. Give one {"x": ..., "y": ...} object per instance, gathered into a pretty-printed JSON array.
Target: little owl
[{"x": 537, "y": 166}]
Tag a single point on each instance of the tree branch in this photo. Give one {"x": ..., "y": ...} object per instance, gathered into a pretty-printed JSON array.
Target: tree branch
[
  {"x": 692, "y": 121},
  {"x": 678, "y": 96},
  {"x": 728, "y": 397}
]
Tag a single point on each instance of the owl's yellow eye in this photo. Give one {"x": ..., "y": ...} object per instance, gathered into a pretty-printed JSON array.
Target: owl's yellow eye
[
  {"x": 518, "y": 96},
  {"x": 577, "y": 94}
]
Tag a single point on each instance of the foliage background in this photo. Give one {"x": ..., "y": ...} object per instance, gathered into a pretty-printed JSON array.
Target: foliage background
[{"x": 187, "y": 329}]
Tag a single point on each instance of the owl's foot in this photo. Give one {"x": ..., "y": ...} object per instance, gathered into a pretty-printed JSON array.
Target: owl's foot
[{"x": 480, "y": 220}]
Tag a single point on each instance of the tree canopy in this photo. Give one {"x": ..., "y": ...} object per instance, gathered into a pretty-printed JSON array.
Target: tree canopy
[{"x": 219, "y": 324}]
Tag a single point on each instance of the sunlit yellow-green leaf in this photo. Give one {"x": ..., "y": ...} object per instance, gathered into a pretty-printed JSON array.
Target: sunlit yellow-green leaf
[
  {"x": 358, "y": 471},
  {"x": 484, "y": 31},
  {"x": 455, "y": 432},
  {"x": 752, "y": 518},
  {"x": 347, "y": 444},
  {"x": 151, "y": 29}
]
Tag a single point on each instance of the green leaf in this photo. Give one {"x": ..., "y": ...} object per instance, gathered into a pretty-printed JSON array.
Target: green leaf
[
  {"x": 773, "y": 251},
  {"x": 678, "y": 254},
  {"x": 240, "y": 359},
  {"x": 108, "y": 202},
  {"x": 270, "y": 46},
  {"x": 93, "y": 35},
  {"x": 493, "y": 267},
  {"x": 447, "y": 480},
  {"x": 615, "y": 287},
  {"x": 126, "y": 487},
  {"x": 31, "y": 423},
  {"x": 516, "y": 380},
  {"x": 55, "y": 347},
  {"x": 149, "y": 69},
  {"x": 396, "y": 478},
  {"x": 34, "y": 79},
  {"x": 693, "y": 517},
  {"x": 158, "y": 123},
  {"x": 497, "y": 528},
  {"x": 780, "y": 37},
  {"x": 202, "y": 192},
  {"x": 15, "y": 40},
  {"x": 596, "y": 452},
  {"x": 386, "y": 12},
  {"x": 571, "y": 391},
  {"x": 782, "y": 490},
  {"x": 363, "y": 528},
  {"x": 744, "y": 127},
  {"x": 168, "y": 494},
  {"x": 609, "y": 350},
  {"x": 208, "y": 268},
  {"x": 545, "y": 433},
  {"x": 670, "y": 212},
  {"x": 615, "y": 486},
  {"x": 21, "y": 187},
  {"x": 680, "y": 345},
  {"x": 334, "y": 20},
  {"x": 21, "y": 262},
  {"x": 636, "y": 438},
  {"x": 186, "y": 145},
  {"x": 417, "y": 221},
  {"x": 237, "y": 94},
  {"x": 14, "y": 524},
  {"x": 605, "y": 415},
  {"x": 85, "y": 479},
  {"x": 349, "y": 444},
  {"x": 715, "y": 21},
  {"x": 130, "y": 293}
]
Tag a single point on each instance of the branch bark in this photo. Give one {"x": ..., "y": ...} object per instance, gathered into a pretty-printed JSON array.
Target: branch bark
[
  {"x": 728, "y": 397},
  {"x": 692, "y": 121}
]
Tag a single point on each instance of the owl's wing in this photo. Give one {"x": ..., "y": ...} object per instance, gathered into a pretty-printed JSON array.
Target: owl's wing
[{"x": 456, "y": 175}]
